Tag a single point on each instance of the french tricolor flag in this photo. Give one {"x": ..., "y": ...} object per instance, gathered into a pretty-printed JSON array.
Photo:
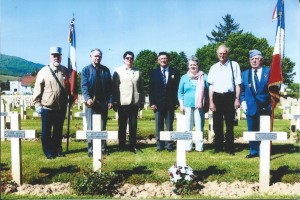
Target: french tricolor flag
[
  {"x": 72, "y": 61},
  {"x": 275, "y": 72}
]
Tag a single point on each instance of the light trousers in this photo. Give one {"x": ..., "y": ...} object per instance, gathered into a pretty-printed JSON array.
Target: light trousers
[{"x": 193, "y": 117}]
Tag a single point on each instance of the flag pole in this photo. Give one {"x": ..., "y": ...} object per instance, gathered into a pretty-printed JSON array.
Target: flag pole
[{"x": 72, "y": 95}]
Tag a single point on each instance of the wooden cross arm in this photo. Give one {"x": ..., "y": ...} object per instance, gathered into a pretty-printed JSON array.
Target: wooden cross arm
[
  {"x": 79, "y": 114},
  {"x": 259, "y": 136},
  {"x": 111, "y": 135},
  {"x": 180, "y": 135}
]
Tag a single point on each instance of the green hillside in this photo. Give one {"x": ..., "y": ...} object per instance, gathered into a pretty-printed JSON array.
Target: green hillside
[{"x": 16, "y": 66}]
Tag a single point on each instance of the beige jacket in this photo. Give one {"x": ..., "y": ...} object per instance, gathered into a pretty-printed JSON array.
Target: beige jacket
[
  {"x": 47, "y": 92},
  {"x": 130, "y": 86}
]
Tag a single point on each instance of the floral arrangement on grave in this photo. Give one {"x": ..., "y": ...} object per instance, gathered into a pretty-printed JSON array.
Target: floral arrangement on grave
[{"x": 183, "y": 179}]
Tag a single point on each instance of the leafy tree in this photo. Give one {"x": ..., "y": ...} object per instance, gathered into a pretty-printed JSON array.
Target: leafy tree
[
  {"x": 240, "y": 45},
  {"x": 224, "y": 30},
  {"x": 287, "y": 71},
  {"x": 145, "y": 61},
  {"x": 207, "y": 56},
  {"x": 178, "y": 61}
]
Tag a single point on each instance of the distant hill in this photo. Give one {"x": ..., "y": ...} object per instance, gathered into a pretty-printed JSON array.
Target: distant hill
[{"x": 16, "y": 66}]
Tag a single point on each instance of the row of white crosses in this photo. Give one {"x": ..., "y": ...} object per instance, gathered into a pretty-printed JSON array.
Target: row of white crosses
[
  {"x": 15, "y": 134},
  {"x": 291, "y": 111},
  {"x": 264, "y": 135}
]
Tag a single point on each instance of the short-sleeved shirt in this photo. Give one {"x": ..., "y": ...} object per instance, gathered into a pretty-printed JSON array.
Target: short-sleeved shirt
[{"x": 220, "y": 76}]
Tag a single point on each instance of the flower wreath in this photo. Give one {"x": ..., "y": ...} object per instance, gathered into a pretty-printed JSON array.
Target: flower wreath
[{"x": 181, "y": 173}]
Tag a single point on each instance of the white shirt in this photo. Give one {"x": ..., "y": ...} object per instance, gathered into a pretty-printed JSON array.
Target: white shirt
[{"x": 220, "y": 76}]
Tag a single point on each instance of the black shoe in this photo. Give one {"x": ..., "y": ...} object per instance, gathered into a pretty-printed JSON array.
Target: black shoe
[
  {"x": 134, "y": 150},
  {"x": 60, "y": 154},
  {"x": 158, "y": 150},
  {"x": 90, "y": 154},
  {"x": 105, "y": 152},
  {"x": 251, "y": 155},
  {"x": 216, "y": 151},
  {"x": 170, "y": 150},
  {"x": 231, "y": 153},
  {"x": 50, "y": 157}
]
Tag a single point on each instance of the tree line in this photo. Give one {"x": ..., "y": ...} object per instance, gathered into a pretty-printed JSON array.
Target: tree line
[{"x": 227, "y": 33}]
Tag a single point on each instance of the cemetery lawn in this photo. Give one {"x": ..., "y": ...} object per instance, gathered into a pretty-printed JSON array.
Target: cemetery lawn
[{"x": 148, "y": 165}]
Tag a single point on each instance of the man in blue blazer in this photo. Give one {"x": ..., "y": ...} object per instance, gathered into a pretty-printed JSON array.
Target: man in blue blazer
[
  {"x": 255, "y": 97},
  {"x": 96, "y": 87},
  {"x": 163, "y": 87}
]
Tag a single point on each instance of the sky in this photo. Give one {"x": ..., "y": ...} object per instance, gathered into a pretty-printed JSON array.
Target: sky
[{"x": 30, "y": 27}]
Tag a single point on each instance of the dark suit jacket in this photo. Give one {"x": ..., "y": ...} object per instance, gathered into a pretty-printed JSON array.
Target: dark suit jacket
[
  {"x": 164, "y": 98},
  {"x": 248, "y": 93},
  {"x": 88, "y": 79}
]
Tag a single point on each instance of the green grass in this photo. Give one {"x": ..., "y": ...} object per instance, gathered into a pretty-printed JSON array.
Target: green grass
[
  {"x": 148, "y": 165},
  {"x": 5, "y": 78}
]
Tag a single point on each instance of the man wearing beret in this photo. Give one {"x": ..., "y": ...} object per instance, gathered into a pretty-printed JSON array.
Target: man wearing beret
[
  {"x": 255, "y": 97},
  {"x": 50, "y": 97}
]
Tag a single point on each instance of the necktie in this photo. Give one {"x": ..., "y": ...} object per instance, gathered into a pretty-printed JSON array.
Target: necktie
[
  {"x": 164, "y": 77},
  {"x": 256, "y": 81}
]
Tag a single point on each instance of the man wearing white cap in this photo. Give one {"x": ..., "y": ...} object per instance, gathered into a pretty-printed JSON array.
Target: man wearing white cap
[
  {"x": 50, "y": 98},
  {"x": 255, "y": 97}
]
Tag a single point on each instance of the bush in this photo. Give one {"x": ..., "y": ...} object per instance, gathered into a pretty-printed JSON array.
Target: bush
[{"x": 95, "y": 183}]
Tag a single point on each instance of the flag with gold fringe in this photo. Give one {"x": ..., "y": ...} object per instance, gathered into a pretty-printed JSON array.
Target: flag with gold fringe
[{"x": 276, "y": 78}]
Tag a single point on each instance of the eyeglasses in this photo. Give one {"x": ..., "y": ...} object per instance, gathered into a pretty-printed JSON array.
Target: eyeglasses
[{"x": 129, "y": 58}]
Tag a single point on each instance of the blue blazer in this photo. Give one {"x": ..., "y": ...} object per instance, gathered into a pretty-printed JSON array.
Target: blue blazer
[
  {"x": 261, "y": 98},
  {"x": 88, "y": 78},
  {"x": 164, "y": 98}
]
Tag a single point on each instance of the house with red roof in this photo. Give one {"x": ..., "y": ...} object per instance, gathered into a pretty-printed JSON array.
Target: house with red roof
[{"x": 23, "y": 86}]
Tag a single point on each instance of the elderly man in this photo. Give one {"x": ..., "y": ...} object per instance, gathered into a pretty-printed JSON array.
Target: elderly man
[
  {"x": 224, "y": 79},
  {"x": 96, "y": 86},
  {"x": 163, "y": 87},
  {"x": 255, "y": 97},
  {"x": 50, "y": 98}
]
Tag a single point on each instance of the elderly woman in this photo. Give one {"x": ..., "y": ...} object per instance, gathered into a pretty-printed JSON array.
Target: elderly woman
[{"x": 191, "y": 95}]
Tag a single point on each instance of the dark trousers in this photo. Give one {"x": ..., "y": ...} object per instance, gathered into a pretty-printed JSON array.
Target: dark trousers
[
  {"x": 127, "y": 113},
  {"x": 51, "y": 140},
  {"x": 224, "y": 103},
  {"x": 103, "y": 110},
  {"x": 253, "y": 125},
  {"x": 161, "y": 117}
]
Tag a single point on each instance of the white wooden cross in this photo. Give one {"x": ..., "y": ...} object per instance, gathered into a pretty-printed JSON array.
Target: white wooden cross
[
  {"x": 3, "y": 115},
  {"x": 265, "y": 136},
  {"x": 295, "y": 125},
  {"x": 82, "y": 114},
  {"x": 23, "y": 109},
  {"x": 211, "y": 133},
  {"x": 97, "y": 135},
  {"x": 180, "y": 136},
  {"x": 3, "y": 124},
  {"x": 15, "y": 135}
]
